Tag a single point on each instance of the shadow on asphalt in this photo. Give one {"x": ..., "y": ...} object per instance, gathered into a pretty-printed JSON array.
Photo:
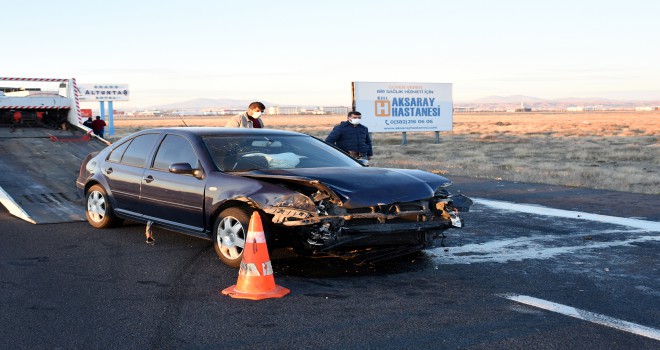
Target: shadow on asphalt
[{"x": 329, "y": 267}]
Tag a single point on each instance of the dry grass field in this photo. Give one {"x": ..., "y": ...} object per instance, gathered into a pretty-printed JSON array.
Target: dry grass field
[{"x": 604, "y": 150}]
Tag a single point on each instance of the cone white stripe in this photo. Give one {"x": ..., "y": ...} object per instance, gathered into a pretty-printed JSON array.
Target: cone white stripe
[
  {"x": 258, "y": 237},
  {"x": 267, "y": 267}
]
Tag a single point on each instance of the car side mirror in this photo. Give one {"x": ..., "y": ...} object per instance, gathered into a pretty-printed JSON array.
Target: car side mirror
[{"x": 185, "y": 168}]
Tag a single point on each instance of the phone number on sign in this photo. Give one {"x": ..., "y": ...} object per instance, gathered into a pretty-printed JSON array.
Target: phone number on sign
[{"x": 408, "y": 121}]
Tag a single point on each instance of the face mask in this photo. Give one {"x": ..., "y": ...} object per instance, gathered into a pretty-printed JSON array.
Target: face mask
[
  {"x": 354, "y": 121},
  {"x": 256, "y": 115}
]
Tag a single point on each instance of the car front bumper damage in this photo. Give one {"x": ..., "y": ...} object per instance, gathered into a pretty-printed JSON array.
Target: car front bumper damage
[{"x": 333, "y": 227}]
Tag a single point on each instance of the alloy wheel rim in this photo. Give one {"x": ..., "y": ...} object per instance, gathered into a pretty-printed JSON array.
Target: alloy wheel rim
[
  {"x": 231, "y": 237},
  {"x": 96, "y": 206}
]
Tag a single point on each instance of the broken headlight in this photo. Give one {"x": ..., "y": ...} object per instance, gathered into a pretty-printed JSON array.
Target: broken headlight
[
  {"x": 441, "y": 191},
  {"x": 297, "y": 201}
]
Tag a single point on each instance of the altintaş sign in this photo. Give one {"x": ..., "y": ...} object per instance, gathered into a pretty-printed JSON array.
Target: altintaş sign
[
  {"x": 103, "y": 92},
  {"x": 400, "y": 107}
]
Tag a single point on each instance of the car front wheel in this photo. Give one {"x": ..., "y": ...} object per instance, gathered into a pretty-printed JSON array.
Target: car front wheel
[
  {"x": 98, "y": 209},
  {"x": 229, "y": 234}
]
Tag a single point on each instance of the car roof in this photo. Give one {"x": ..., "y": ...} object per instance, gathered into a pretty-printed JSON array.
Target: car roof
[{"x": 222, "y": 131}]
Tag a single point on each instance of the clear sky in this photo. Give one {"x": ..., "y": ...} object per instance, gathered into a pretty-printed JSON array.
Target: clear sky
[{"x": 309, "y": 52}]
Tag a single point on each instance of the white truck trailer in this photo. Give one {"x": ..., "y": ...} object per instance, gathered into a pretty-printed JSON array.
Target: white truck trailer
[{"x": 42, "y": 144}]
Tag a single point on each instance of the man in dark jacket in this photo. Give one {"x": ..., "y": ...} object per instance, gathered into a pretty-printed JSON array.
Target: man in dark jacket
[
  {"x": 88, "y": 122},
  {"x": 352, "y": 137}
]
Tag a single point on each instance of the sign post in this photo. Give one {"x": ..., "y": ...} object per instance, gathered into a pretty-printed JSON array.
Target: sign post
[
  {"x": 111, "y": 121},
  {"x": 102, "y": 93}
]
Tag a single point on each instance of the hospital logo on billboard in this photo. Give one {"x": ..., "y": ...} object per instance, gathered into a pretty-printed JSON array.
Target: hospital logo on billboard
[{"x": 382, "y": 108}]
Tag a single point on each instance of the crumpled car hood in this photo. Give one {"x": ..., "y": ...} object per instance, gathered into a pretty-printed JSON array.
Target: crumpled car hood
[{"x": 362, "y": 187}]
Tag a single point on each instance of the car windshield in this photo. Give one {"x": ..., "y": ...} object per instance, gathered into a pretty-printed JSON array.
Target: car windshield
[{"x": 242, "y": 153}]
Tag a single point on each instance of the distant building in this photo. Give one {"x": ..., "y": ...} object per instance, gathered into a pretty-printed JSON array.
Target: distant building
[
  {"x": 212, "y": 111},
  {"x": 283, "y": 110},
  {"x": 294, "y": 110},
  {"x": 584, "y": 108},
  {"x": 221, "y": 111},
  {"x": 647, "y": 108},
  {"x": 149, "y": 113},
  {"x": 521, "y": 109},
  {"x": 334, "y": 110}
]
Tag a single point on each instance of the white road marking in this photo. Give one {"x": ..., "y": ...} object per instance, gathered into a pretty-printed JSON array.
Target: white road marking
[
  {"x": 586, "y": 315},
  {"x": 518, "y": 249},
  {"x": 541, "y": 210},
  {"x": 545, "y": 246}
]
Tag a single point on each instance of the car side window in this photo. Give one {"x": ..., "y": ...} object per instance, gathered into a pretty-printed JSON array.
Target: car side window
[
  {"x": 174, "y": 149},
  {"x": 115, "y": 155},
  {"x": 139, "y": 149}
]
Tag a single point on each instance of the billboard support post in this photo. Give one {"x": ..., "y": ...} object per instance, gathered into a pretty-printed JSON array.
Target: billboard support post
[
  {"x": 404, "y": 139},
  {"x": 111, "y": 123},
  {"x": 102, "y": 109},
  {"x": 437, "y": 137}
]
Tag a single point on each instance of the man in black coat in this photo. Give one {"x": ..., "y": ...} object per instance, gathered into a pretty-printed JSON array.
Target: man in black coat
[
  {"x": 352, "y": 137},
  {"x": 88, "y": 122}
]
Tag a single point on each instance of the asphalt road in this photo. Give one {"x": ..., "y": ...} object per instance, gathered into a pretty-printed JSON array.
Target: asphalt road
[{"x": 69, "y": 286}]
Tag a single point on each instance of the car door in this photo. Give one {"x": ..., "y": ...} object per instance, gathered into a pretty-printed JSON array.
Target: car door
[
  {"x": 175, "y": 200},
  {"x": 123, "y": 171}
]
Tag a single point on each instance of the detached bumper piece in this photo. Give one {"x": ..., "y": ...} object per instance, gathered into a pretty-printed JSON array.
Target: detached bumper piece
[{"x": 460, "y": 202}]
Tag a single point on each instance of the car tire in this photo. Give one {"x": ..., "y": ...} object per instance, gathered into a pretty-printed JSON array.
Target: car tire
[
  {"x": 98, "y": 209},
  {"x": 229, "y": 234}
]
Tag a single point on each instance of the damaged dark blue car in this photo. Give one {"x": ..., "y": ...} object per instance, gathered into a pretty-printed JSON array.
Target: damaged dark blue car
[{"x": 312, "y": 197}]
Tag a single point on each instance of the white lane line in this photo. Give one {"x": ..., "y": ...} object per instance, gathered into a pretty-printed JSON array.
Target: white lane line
[
  {"x": 545, "y": 246},
  {"x": 586, "y": 315},
  {"x": 524, "y": 248},
  {"x": 541, "y": 210}
]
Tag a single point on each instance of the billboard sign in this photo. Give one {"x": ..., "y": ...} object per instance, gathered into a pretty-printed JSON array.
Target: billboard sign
[
  {"x": 103, "y": 92},
  {"x": 401, "y": 107}
]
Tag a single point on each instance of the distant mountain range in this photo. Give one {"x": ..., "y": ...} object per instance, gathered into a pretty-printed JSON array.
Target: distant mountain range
[
  {"x": 207, "y": 103},
  {"x": 558, "y": 103},
  {"x": 531, "y": 99},
  {"x": 489, "y": 102}
]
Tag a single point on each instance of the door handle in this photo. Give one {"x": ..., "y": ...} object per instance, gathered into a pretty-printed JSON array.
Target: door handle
[
  {"x": 148, "y": 178},
  {"x": 108, "y": 171}
]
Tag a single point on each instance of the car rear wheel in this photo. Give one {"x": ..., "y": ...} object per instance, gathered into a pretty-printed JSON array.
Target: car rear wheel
[
  {"x": 99, "y": 211},
  {"x": 229, "y": 235}
]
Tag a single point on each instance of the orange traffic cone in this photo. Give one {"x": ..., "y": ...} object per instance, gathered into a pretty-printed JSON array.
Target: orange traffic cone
[{"x": 255, "y": 277}]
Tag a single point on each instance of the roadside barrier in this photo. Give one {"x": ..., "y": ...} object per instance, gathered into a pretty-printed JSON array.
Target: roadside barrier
[{"x": 255, "y": 276}]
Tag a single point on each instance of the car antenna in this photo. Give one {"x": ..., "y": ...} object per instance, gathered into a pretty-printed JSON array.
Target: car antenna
[{"x": 184, "y": 122}]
